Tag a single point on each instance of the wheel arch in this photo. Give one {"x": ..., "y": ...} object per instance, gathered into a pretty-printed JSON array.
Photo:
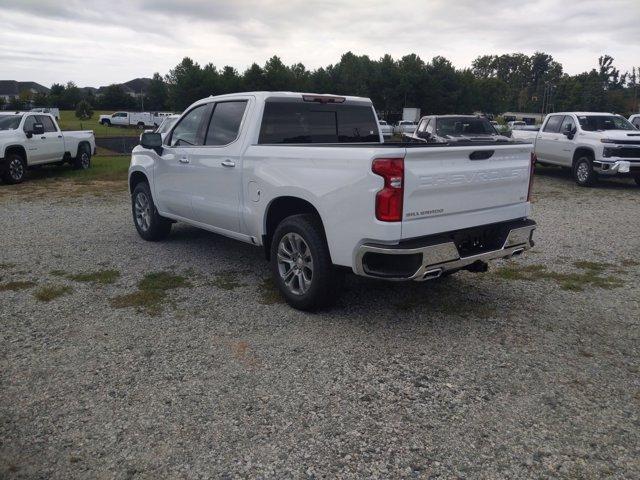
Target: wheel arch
[
  {"x": 136, "y": 177},
  {"x": 580, "y": 151},
  {"x": 81, "y": 145},
  {"x": 16, "y": 149},
  {"x": 280, "y": 208}
]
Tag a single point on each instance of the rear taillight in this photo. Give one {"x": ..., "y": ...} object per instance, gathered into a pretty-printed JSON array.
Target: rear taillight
[
  {"x": 389, "y": 199},
  {"x": 532, "y": 169}
]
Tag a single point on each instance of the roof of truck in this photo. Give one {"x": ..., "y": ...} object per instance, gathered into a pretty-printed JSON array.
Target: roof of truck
[
  {"x": 583, "y": 113},
  {"x": 264, "y": 95}
]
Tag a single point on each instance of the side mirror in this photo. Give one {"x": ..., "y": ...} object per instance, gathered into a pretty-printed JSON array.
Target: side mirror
[
  {"x": 151, "y": 141},
  {"x": 38, "y": 129}
]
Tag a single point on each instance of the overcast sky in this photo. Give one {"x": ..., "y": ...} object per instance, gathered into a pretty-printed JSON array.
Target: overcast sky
[{"x": 96, "y": 43}]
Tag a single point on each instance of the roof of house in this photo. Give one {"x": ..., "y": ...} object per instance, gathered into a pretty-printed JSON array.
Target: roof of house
[{"x": 13, "y": 87}]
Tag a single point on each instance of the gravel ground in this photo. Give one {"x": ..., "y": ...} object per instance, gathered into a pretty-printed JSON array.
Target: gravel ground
[{"x": 472, "y": 376}]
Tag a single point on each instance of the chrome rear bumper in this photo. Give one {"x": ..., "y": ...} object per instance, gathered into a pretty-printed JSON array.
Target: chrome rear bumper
[{"x": 438, "y": 258}]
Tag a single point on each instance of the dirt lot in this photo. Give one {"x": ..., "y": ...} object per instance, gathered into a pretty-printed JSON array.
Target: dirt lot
[{"x": 132, "y": 360}]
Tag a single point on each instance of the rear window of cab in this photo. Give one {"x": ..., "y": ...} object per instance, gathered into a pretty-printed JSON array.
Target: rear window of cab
[{"x": 286, "y": 122}]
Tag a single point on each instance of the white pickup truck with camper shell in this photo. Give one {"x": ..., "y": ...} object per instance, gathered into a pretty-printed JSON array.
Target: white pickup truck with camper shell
[
  {"x": 591, "y": 144},
  {"x": 133, "y": 119},
  {"x": 309, "y": 178},
  {"x": 29, "y": 139},
  {"x": 455, "y": 128}
]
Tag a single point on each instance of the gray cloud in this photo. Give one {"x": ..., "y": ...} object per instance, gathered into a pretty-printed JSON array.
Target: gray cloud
[{"x": 96, "y": 43}]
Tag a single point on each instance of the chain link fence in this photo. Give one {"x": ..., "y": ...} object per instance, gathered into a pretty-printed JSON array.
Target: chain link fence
[{"x": 122, "y": 145}]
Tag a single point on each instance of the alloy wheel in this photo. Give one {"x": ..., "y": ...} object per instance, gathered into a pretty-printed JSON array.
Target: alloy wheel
[
  {"x": 142, "y": 207},
  {"x": 16, "y": 169},
  {"x": 295, "y": 263}
]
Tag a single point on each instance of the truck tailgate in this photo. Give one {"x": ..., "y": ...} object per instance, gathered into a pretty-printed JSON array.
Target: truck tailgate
[{"x": 448, "y": 188}]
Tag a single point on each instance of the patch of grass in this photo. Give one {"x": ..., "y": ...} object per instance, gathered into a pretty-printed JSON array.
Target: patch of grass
[
  {"x": 152, "y": 292},
  {"x": 58, "y": 273},
  {"x": 591, "y": 276},
  {"x": 15, "y": 286},
  {"x": 68, "y": 121},
  {"x": 50, "y": 292},
  {"x": 227, "y": 281},
  {"x": 269, "y": 293},
  {"x": 101, "y": 276},
  {"x": 7, "y": 265}
]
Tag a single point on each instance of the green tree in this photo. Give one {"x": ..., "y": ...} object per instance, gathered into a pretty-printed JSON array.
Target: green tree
[
  {"x": 157, "y": 94},
  {"x": 115, "y": 98},
  {"x": 84, "y": 110}
]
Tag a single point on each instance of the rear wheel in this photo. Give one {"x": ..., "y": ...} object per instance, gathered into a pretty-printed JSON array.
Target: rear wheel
[
  {"x": 149, "y": 224},
  {"x": 83, "y": 158},
  {"x": 583, "y": 171},
  {"x": 16, "y": 169},
  {"x": 637, "y": 180},
  {"x": 301, "y": 264}
]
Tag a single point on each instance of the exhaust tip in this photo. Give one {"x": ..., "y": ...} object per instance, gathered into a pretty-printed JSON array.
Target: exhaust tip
[{"x": 431, "y": 274}]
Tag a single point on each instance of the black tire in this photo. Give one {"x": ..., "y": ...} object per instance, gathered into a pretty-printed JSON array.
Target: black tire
[
  {"x": 140, "y": 126},
  {"x": 15, "y": 169},
  {"x": 325, "y": 281},
  {"x": 106, "y": 123},
  {"x": 637, "y": 180},
  {"x": 583, "y": 172},
  {"x": 83, "y": 158},
  {"x": 149, "y": 224}
]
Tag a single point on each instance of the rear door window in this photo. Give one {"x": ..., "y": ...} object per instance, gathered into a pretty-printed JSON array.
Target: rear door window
[
  {"x": 310, "y": 122},
  {"x": 225, "y": 122},
  {"x": 553, "y": 124}
]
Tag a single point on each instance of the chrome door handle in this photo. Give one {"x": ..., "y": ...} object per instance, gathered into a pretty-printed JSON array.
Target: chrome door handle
[
  {"x": 228, "y": 163},
  {"x": 184, "y": 160}
]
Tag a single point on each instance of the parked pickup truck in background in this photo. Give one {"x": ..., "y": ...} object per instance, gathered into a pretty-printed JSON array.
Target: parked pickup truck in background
[
  {"x": 591, "y": 144},
  {"x": 404, "y": 127},
  {"x": 526, "y": 133},
  {"x": 635, "y": 120},
  {"x": 137, "y": 119},
  {"x": 456, "y": 128},
  {"x": 385, "y": 129},
  {"x": 29, "y": 139},
  {"x": 309, "y": 178}
]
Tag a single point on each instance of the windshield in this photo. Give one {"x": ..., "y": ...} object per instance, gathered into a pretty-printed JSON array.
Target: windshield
[
  {"x": 166, "y": 125},
  {"x": 463, "y": 126},
  {"x": 596, "y": 123},
  {"x": 9, "y": 122}
]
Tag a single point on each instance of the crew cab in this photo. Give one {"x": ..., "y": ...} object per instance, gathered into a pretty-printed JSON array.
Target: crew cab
[
  {"x": 591, "y": 144},
  {"x": 30, "y": 139},
  {"x": 309, "y": 178},
  {"x": 456, "y": 128}
]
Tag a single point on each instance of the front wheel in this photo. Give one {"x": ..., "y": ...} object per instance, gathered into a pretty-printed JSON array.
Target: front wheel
[
  {"x": 301, "y": 264},
  {"x": 16, "y": 169},
  {"x": 583, "y": 172},
  {"x": 149, "y": 224}
]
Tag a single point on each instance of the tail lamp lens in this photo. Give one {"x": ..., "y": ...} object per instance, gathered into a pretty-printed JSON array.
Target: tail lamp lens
[{"x": 389, "y": 199}]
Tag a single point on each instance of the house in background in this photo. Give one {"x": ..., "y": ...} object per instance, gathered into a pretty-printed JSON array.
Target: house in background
[{"x": 11, "y": 89}]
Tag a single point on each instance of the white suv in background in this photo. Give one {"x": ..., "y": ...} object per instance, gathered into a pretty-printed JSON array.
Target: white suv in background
[{"x": 591, "y": 144}]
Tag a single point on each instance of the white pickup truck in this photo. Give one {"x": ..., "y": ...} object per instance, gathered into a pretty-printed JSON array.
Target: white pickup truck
[
  {"x": 591, "y": 144},
  {"x": 31, "y": 139},
  {"x": 135, "y": 119},
  {"x": 309, "y": 178}
]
